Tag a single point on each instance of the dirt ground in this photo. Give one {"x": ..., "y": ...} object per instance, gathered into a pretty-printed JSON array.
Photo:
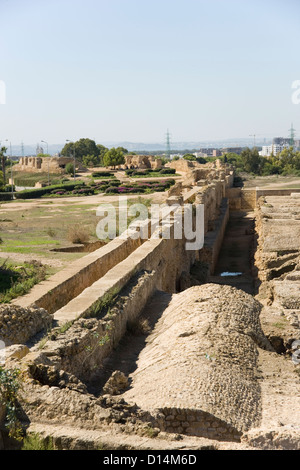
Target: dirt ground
[
  {"x": 272, "y": 182},
  {"x": 33, "y": 229}
]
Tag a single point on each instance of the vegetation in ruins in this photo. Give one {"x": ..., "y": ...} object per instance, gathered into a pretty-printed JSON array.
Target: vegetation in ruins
[
  {"x": 103, "y": 306},
  {"x": 106, "y": 185},
  {"x": 34, "y": 441},
  {"x": 18, "y": 280},
  {"x": 10, "y": 386},
  {"x": 78, "y": 234}
]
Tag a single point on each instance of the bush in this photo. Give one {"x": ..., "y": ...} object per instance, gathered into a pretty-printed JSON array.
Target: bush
[
  {"x": 111, "y": 189},
  {"x": 39, "y": 192},
  {"x": 78, "y": 234},
  {"x": 167, "y": 171},
  {"x": 7, "y": 188},
  {"x": 101, "y": 174},
  {"x": 6, "y": 196},
  {"x": 70, "y": 168}
]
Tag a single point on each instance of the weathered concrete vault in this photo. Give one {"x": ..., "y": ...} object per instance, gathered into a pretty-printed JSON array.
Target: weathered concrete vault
[{"x": 200, "y": 362}]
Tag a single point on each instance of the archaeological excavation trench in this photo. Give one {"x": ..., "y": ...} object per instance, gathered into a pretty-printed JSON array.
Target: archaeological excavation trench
[{"x": 143, "y": 334}]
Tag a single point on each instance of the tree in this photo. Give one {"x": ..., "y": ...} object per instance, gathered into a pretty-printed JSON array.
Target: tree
[
  {"x": 2, "y": 182},
  {"x": 251, "y": 161},
  {"x": 122, "y": 149},
  {"x": 3, "y": 158},
  {"x": 81, "y": 148},
  {"x": 91, "y": 160},
  {"x": 102, "y": 150},
  {"x": 113, "y": 157},
  {"x": 189, "y": 157},
  {"x": 201, "y": 160}
]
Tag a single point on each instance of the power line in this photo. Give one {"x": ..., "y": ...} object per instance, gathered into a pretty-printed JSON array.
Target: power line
[
  {"x": 292, "y": 136},
  {"x": 168, "y": 144}
]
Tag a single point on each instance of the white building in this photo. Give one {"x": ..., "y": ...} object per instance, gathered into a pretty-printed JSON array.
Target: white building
[{"x": 274, "y": 149}]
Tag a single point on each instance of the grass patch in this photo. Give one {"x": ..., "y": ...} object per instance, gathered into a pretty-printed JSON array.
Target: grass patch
[
  {"x": 102, "y": 307},
  {"x": 34, "y": 441},
  {"x": 279, "y": 325},
  {"x": 30, "y": 179},
  {"x": 18, "y": 280}
]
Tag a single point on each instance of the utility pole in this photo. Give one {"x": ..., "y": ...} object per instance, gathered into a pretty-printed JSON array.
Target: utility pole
[
  {"x": 254, "y": 141},
  {"x": 11, "y": 171},
  {"x": 74, "y": 163},
  {"x": 47, "y": 161},
  {"x": 168, "y": 145},
  {"x": 292, "y": 136}
]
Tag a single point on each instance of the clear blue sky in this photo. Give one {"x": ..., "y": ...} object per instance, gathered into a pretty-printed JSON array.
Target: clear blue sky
[{"x": 117, "y": 70}]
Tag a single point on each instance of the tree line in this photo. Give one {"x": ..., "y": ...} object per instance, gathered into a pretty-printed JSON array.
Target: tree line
[{"x": 284, "y": 163}]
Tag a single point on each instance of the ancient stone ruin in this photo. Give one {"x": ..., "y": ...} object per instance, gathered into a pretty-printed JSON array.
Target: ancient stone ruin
[
  {"x": 46, "y": 164},
  {"x": 143, "y": 344},
  {"x": 142, "y": 162}
]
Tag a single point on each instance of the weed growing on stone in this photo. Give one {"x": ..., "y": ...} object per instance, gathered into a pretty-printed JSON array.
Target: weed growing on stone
[
  {"x": 103, "y": 306},
  {"x": 9, "y": 390},
  {"x": 18, "y": 280},
  {"x": 34, "y": 441}
]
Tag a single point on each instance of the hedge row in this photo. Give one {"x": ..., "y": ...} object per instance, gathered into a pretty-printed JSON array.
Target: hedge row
[
  {"x": 39, "y": 192},
  {"x": 153, "y": 186},
  {"x": 101, "y": 174},
  {"x": 6, "y": 196},
  {"x": 162, "y": 171}
]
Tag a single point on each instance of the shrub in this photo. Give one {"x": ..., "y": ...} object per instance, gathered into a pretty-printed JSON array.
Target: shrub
[
  {"x": 7, "y": 188},
  {"x": 9, "y": 391},
  {"x": 167, "y": 171},
  {"x": 78, "y": 234},
  {"x": 111, "y": 189},
  {"x": 6, "y": 196},
  {"x": 101, "y": 174},
  {"x": 70, "y": 168},
  {"x": 34, "y": 441},
  {"x": 39, "y": 192},
  {"x": 114, "y": 183}
]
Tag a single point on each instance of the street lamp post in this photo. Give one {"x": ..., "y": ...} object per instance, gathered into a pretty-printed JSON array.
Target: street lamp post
[
  {"x": 47, "y": 161},
  {"x": 74, "y": 163},
  {"x": 11, "y": 171}
]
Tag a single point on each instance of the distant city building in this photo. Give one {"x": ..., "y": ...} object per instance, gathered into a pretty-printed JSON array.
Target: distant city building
[
  {"x": 283, "y": 141},
  {"x": 286, "y": 142},
  {"x": 274, "y": 149},
  {"x": 237, "y": 150},
  {"x": 208, "y": 152}
]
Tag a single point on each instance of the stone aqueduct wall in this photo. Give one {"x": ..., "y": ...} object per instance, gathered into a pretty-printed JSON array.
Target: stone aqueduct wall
[
  {"x": 63, "y": 286},
  {"x": 77, "y": 290},
  {"x": 246, "y": 199}
]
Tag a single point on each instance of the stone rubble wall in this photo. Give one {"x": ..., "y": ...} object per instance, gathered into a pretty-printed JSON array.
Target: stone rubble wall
[
  {"x": 82, "y": 349},
  {"x": 197, "y": 423},
  {"x": 18, "y": 325}
]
